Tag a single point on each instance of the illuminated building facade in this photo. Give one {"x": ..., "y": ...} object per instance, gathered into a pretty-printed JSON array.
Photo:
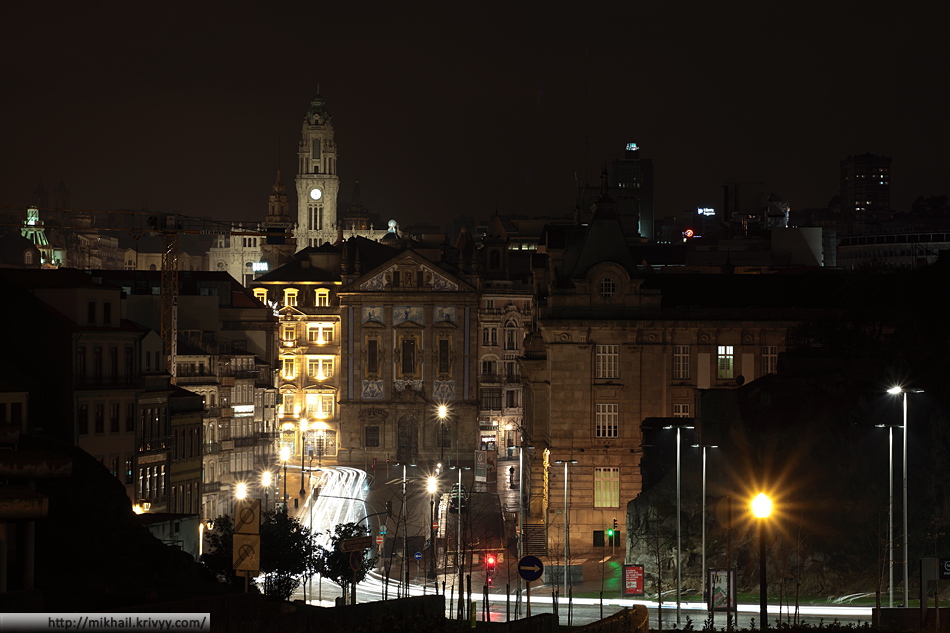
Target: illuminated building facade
[{"x": 612, "y": 348}]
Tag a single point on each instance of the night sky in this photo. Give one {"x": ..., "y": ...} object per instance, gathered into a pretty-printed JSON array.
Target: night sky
[{"x": 468, "y": 108}]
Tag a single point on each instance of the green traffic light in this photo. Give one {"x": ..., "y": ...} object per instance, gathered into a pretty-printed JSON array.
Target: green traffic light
[{"x": 610, "y": 532}]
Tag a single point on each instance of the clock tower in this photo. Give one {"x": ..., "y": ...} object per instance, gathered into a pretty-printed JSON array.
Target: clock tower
[{"x": 317, "y": 180}]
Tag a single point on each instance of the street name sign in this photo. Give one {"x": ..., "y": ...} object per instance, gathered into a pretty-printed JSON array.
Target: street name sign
[{"x": 356, "y": 543}]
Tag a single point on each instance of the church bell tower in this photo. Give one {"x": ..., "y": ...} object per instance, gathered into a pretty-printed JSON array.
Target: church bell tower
[{"x": 317, "y": 180}]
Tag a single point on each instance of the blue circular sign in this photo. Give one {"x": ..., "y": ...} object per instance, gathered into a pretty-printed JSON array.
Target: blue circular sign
[
  {"x": 530, "y": 568},
  {"x": 418, "y": 555}
]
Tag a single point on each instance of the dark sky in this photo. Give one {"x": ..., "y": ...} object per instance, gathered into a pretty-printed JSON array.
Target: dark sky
[{"x": 467, "y": 108}]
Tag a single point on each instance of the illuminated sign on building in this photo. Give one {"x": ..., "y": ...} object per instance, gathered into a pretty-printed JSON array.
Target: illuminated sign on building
[
  {"x": 707, "y": 211},
  {"x": 243, "y": 410},
  {"x": 632, "y": 147},
  {"x": 259, "y": 267}
]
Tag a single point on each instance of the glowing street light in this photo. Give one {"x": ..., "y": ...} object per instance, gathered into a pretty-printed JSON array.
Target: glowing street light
[
  {"x": 898, "y": 390},
  {"x": 265, "y": 483},
  {"x": 303, "y": 432},
  {"x": 284, "y": 456},
  {"x": 432, "y": 484},
  {"x": 762, "y": 509},
  {"x": 442, "y": 413}
]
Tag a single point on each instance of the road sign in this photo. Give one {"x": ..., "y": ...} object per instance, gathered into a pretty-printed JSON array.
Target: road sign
[
  {"x": 435, "y": 525},
  {"x": 418, "y": 556},
  {"x": 356, "y": 543},
  {"x": 944, "y": 569},
  {"x": 356, "y": 561},
  {"x": 379, "y": 539},
  {"x": 382, "y": 530},
  {"x": 246, "y": 552},
  {"x": 530, "y": 568},
  {"x": 247, "y": 516}
]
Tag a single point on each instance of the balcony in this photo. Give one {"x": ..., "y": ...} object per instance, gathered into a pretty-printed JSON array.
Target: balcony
[
  {"x": 207, "y": 379},
  {"x": 227, "y": 445},
  {"x": 268, "y": 436},
  {"x": 211, "y": 448},
  {"x": 489, "y": 378},
  {"x": 513, "y": 379},
  {"x": 250, "y": 440}
]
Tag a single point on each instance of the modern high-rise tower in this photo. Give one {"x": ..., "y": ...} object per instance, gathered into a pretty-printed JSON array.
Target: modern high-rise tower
[
  {"x": 865, "y": 186},
  {"x": 317, "y": 182}
]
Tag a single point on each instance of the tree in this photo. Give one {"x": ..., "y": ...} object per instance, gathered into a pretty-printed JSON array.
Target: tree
[
  {"x": 286, "y": 547},
  {"x": 333, "y": 564}
]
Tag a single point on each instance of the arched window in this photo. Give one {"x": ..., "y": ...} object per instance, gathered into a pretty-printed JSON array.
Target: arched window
[
  {"x": 28, "y": 257},
  {"x": 608, "y": 287}
]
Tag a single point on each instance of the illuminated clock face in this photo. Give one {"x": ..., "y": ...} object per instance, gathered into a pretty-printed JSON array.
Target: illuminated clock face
[{"x": 316, "y": 194}]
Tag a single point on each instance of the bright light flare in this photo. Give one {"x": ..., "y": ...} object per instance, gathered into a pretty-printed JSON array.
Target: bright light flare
[
  {"x": 761, "y": 506},
  {"x": 241, "y": 492},
  {"x": 443, "y": 411},
  {"x": 432, "y": 485},
  {"x": 284, "y": 454},
  {"x": 266, "y": 478},
  {"x": 895, "y": 390}
]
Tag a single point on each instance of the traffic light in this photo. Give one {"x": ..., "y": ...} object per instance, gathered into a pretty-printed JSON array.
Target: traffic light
[
  {"x": 615, "y": 524},
  {"x": 490, "y": 567}
]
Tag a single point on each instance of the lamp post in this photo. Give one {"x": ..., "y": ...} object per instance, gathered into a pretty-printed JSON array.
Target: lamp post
[
  {"x": 520, "y": 519},
  {"x": 284, "y": 456},
  {"x": 679, "y": 532},
  {"x": 567, "y": 522},
  {"x": 761, "y": 509},
  {"x": 458, "y": 534},
  {"x": 703, "y": 503},
  {"x": 443, "y": 412},
  {"x": 303, "y": 431},
  {"x": 903, "y": 393},
  {"x": 265, "y": 483},
  {"x": 431, "y": 487}
]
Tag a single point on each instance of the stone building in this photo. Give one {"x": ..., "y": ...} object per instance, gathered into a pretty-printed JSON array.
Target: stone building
[{"x": 613, "y": 347}]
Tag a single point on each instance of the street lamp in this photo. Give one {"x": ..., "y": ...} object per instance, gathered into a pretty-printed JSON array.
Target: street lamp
[
  {"x": 431, "y": 486},
  {"x": 240, "y": 493},
  {"x": 284, "y": 456},
  {"x": 903, "y": 393},
  {"x": 703, "y": 582},
  {"x": 303, "y": 431},
  {"x": 443, "y": 413},
  {"x": 679, "y": 532},
  {"x": 567, "y": 523},
  {"x": 265, "y": 483},
  {"x": 761, "y": 509},
  {"x": 458, "y": 533}
]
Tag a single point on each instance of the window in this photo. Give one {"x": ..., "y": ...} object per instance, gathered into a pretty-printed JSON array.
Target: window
[
  {"x": 491, "y": 398},
  {"x": 114, "y": 417},
  {"x": 81, "y": 362},
  {"x": 681, "y": 362},
  {"x": 444, "y": 356},
  {"x": 107, "y": 312},
  {"x": 289, "y": 332},
  {"x": 320, "y": 333},
  {"x": 606, "y": 487},
  {"x": 511, "y": 399},
  {"x": 82, "y": 419},
  {"x": 488, "y": 368},
  {"x": 261, "y": 295},
  {"x": 372, "y": 356},
  {"x": 511, "y": 335},
  {"x": 290, "y": 297},
  {"x": 372, "y": 437},
  {"x": 490, "y": 304},
  {"x": 725, "y": 363},
  {"x": 490, "y": 336},
  {"x": 288, "y": 367},
  {"x": 100, "y": 411},
  {"x": 128, "y": 470},
  {"x": 607, "y": 361},
  {"x": 408, "y": 356},
  {"x": 606, "y": 420},
  {"x": 770, "y": 359},
  {"x": 608, "y": 287},
  {"x": 681, "y": 410},
  {"x": 130, "y": 416},
  {"x": 91, "y": 312},
  {"x": 323, "y": 298},
  {"x": 320, "y": 368}
]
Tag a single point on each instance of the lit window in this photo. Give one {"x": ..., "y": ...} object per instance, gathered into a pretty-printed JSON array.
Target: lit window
[
  {"x": 606, "y": 487},
  {"x": 323, "y": 298},
  {"x": 681, "y": 410},
  {"x": 320, "y": 368},
  {"x": 607, "y": 418},
  {"x": 725, "y": 363},
  {"x": 289, "y": 332},
  {"x": 608, "y": 288},
  {"x": 290, "y": 297},
  {"x": 320, "y": 333},
  {"x": 607, "y": 361},
  {"x": 770, "y": 359},
  {"x": 261, "y": 294},
  {"x": 288, "y": 367},
  {"x": 680, "y": 362}
]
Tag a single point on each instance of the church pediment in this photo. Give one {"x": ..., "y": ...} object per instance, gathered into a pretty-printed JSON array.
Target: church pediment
[{"x": 410, "y": 272}]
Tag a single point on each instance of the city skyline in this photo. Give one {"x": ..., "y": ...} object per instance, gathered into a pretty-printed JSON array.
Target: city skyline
[{"x": 498, "y": 111}]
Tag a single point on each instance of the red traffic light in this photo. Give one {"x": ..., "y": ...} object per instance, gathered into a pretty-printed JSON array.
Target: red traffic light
[{"x": 491, "y": 560}]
